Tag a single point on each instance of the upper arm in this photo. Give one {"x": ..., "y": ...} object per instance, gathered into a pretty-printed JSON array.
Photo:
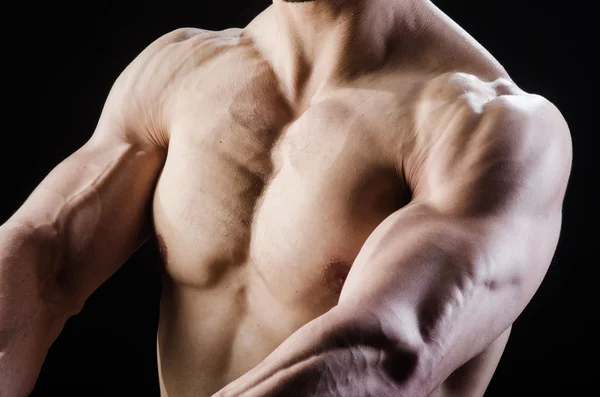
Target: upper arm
[
  {"x": 92, "y": 210},
  {"x": 449, "y": 272},
  {"x": 498, "y": 174}
]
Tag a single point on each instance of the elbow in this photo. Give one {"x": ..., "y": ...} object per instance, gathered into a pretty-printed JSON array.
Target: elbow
[
  {"x": 395, "y": 358},
  {"x": 27, "y": 326},
  {"x": 31, "y": 258},
  {"x": 400, "y": 367}
]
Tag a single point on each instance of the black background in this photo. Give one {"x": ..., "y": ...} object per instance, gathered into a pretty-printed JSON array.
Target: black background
[{"x": 67, "y": 58}]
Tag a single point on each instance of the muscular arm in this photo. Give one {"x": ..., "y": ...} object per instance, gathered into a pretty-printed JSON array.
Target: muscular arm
[
  {"x": 83, "y": 221},
  {"x": 443, "y": 277}
]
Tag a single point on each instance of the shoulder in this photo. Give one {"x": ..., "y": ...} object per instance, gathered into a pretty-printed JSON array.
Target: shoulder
[
  {"x": 191, "y": 36},
  {"x": 168, "y": 41},
  {"x": 459, "y": 105},
  {"x": 490, "y": 133},
  {"x": 158, "y": 55},
  {"x": 167, "y": 48},
  {"x": 178, "y": 35},
  {"x": 181, "y": 47},
  {"x": 140, "y": 97}
]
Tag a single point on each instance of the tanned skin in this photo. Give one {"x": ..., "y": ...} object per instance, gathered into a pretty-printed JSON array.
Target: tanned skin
[{"x": 351, "y": 198}]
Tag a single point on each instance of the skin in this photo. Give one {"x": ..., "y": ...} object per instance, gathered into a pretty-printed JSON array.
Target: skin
[{"x": 350, "y": 198}]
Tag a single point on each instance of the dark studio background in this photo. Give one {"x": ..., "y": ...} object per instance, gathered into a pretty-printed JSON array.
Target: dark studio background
[{"x": 73, "y": 54}]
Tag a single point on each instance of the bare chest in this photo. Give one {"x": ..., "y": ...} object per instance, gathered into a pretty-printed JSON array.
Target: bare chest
[{"x": 251, "y": 193}]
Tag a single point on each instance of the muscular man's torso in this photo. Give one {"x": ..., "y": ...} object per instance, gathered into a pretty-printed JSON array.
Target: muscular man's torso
[{"x": 263, "y": 202}]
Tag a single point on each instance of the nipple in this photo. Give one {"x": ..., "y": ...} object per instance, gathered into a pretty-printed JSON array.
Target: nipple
[{"x": 335, "y": 273}]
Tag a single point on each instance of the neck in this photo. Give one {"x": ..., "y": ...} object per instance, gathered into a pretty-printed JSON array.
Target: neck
[{"x": 318, "y": 42}]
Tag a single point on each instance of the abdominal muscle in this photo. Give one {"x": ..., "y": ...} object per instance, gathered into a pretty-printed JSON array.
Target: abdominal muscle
[{"x": 207, "y": 338}]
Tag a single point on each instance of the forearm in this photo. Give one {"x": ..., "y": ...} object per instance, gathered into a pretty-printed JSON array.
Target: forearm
[
  {"x": 343, "y": 352},
  {"x": 28, "y": 323},
  {"x": 352, "y": 371}
]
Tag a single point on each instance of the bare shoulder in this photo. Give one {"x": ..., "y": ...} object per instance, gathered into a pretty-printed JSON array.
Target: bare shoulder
[
  {"x": 461, "y": 104},
  {"x": 142, "y": 94},
  {"x": 183, "y": 39},
  {"x": 178, "y": 35},
  {"x": 166, "y": 50},
  {"x": 171, "y": 42},
  {"x": 484, "y": 136}
]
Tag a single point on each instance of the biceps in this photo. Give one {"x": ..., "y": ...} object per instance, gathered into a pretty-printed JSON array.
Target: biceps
[
  {"x": 410, "y": 254},
  {"x": 447, "y": 286}
]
